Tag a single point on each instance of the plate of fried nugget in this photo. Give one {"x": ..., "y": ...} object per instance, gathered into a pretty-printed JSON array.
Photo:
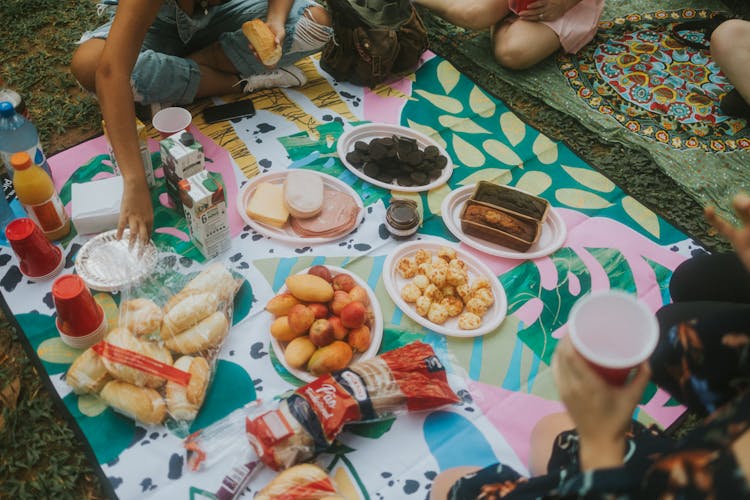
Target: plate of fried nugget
[{"x": 445, "y": 289}]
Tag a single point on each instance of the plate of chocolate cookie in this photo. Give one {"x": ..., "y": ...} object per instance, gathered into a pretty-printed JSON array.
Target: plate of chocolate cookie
[
  {"x": 444, "y": 289},
  {"x": 394, "y": 157},
  {"x": 503, "y": 221}
]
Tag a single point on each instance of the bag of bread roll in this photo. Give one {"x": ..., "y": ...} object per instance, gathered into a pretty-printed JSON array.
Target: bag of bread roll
[
  {"x": 157, "y": 364},
  {"x": 304, "y": 422}
]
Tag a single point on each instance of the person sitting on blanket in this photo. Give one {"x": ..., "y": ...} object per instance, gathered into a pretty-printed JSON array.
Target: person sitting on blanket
[
  {"x": 521, "y": 41},
  {"x": 730, "y": 48},
  {"x": 702, "y": 360},
  {"x": 173, "y": 51}
]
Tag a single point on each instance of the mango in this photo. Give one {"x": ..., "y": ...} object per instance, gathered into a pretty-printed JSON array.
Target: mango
[
  {"x": 299, "y": 351},
  {"x": 309, "y": 288},
  {"x": 335, "y": 356}
]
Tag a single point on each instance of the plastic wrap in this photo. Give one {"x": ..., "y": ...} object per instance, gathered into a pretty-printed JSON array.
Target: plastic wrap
[
  {"x": 304, "y": 422},
  {"x": 156, "y": 365}
]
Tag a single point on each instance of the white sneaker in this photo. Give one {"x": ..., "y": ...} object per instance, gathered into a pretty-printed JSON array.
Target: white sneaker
[{"x": 290, "y": 76}]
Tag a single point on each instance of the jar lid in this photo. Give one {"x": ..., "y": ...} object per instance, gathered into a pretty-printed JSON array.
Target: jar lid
[{"x": 402, "y": 214}]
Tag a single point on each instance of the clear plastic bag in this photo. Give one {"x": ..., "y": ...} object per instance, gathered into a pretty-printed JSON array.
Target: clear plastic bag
[
  {"x": 304, "y": 422},
  {"x": 157, "y": 364}
]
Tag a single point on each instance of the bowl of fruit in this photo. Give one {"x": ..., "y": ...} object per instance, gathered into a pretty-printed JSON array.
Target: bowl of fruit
[{"x": 324, "y": 318}]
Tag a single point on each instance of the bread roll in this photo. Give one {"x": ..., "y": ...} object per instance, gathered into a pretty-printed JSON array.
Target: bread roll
[
  {"x": 263, "y": 41},
  {"x": 206, "y": 334},
  {"x": 191, "y": 310},
  {"x": 142, "y": 404},
  {"x": 87, "y": 374},
  {"x": 121, "y": 337},
  {"x": 183, "y": 402},
  {"x": 140, "y": 316},
  {"x": 215, "y": 278},
  {"x": 307, "y": 478}
]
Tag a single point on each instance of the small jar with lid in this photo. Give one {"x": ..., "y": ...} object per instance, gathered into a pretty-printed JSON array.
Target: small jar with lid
[{"x": 402, "y": 218}]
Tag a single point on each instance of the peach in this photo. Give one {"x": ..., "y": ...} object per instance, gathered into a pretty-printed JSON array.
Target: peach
[
  {"x": 359, "y": 294},
  {"x": 280, "y": 304},
  {"x": 321, "y": 332},
  {"x": 339, "y": 330},
  {"x": 340, "y": 300},
  {"x": 281, "y": 330},
  {"x": 301, "y": 319},
  {"x": 319, "y": 310},
  {"x": 343, "y": 282},
  {"x": 359, "y": 338},
  {"x": 322, "y": 272},
  {"x": 353, "y": 315}
]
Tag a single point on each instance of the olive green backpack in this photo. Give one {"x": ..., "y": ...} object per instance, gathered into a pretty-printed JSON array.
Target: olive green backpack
[{"x": 373, "y": 40}]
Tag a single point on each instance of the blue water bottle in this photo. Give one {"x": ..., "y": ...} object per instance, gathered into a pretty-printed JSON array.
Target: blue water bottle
[{"x": 19, "y": 134}]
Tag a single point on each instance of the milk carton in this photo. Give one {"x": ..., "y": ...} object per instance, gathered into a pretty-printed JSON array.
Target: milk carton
[
  {"x": 205, "y": 208},
  {"x": 182, "y": 156},
  {"x": 148, "y": 165}
]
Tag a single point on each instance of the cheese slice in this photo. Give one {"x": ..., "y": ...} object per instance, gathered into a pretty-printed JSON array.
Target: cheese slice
[
  {"x": 303, "y": 193},
  {"x": 267, "y": 205}
]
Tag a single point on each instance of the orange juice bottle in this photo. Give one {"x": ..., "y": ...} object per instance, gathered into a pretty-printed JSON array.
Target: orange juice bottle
[{"x": 37, "y": 194}]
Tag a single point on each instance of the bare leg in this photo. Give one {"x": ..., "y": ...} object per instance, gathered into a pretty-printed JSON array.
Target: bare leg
[
  {"x": 469, "y": 14},
  {"x": 85, "y": 61},
  {"x": 730, "y": 48},
  {"x": 521, "y": 44},
  {"x": 543, "y": 438}
]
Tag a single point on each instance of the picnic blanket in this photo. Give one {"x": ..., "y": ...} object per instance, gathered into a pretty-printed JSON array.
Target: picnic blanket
[
  {"x": 612, "y": 241},
  {"x": 636, "y": 85}
]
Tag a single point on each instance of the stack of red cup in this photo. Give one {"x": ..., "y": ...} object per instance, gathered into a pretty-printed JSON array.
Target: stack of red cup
[
  {"x": 39, "y": 259},
  {"x": 81, "y": 322}
]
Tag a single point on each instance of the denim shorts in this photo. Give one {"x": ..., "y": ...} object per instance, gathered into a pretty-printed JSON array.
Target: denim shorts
[{"x": 163, "y": 74}]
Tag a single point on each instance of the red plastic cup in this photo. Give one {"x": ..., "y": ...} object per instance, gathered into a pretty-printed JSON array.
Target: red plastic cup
[
  {"x": 614, "y": 332},
  {"x": 38, "y": 257},
  {"x": 518, "y": 6},
  {"x": 78, "y": 314}
]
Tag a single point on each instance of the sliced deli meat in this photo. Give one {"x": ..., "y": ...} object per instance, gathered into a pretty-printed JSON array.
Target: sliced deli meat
[{"x": 338, "y": 216}]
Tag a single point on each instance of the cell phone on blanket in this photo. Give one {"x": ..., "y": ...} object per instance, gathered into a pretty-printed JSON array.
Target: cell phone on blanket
[{"x": 229, "y": 111}]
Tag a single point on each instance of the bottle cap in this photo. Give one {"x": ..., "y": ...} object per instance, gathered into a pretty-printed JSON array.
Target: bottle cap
[
  {"x": 6, "y": 109},
  {"x": 187, "y": 139},
  {"x": 20, "y": 160}
]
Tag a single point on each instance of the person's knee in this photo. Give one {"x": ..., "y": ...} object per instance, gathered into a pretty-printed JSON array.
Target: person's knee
[
  {"x": 725, "y": 37},
  {"x": 512, "y": 55},
  {"x": 320, "y": 15},
  {"x": 85, "y": 62}
]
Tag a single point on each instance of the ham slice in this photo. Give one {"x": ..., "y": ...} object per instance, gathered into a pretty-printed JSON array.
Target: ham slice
[{"x": 338, "y": 217}]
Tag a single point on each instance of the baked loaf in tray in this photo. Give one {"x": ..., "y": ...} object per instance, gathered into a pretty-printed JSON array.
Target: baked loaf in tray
[{"x": 505, "y": 216}]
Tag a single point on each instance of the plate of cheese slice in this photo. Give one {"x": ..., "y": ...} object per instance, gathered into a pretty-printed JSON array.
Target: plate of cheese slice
[{"x": 300, "y": 206}]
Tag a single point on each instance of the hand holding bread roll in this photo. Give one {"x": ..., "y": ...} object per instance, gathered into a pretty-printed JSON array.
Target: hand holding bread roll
[{"x": 263, "y": 41}]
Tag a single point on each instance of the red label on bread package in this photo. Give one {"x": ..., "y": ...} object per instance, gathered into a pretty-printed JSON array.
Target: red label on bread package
[
  {"x": 420, "y": 375},
  {"x": 141, "y": 362},
  {"x": 332, "y": 404}
]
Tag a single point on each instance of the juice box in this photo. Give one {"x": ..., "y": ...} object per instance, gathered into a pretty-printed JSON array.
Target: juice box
[
  {"x": 145, "y": 153},
  {"x": 205, "y": 206},
  {"x": 181, "y": 156}
]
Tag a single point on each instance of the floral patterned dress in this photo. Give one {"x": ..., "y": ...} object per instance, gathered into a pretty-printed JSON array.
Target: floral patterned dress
[{"x": 705, "y": 364}]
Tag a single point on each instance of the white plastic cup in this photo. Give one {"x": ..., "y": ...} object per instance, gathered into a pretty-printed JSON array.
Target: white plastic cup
[
  {"x": 614, "y": 332},
  {"x": 169, "y": 121}
]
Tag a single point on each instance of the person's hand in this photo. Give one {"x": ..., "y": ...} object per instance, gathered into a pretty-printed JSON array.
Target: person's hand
[
  {"x": 602, "y": 412},
  {"x": 280, "y": 33},
  {"x": 544, "y": 10},
  {"x": 739, "y": 237},
  {"x": 136, "y": 213}
]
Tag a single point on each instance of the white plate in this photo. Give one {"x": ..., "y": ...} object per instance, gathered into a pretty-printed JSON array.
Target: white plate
[
  {"x": 375, "y": 130},
  {"x": 108, "y": 264},
  {"x": 552, "y": 238},
  {"x": 286, "y": 233},
  {"x": 394, "y": 283},
  {"x": 376, "y": 329}
]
